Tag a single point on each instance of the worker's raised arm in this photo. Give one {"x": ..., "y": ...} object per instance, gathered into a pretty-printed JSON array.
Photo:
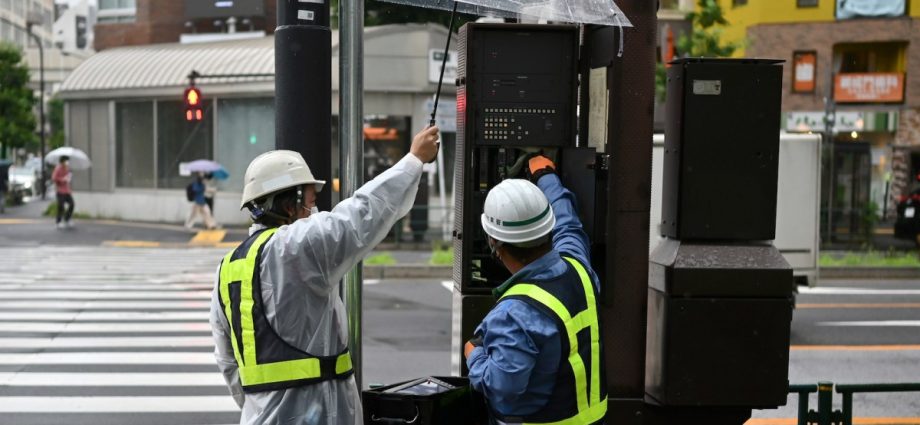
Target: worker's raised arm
[
  {"x": 569, "y": 237},
  {"x": 338, "y": 239}
]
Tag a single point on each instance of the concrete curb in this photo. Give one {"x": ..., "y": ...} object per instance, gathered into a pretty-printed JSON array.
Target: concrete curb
[
  {"x": 408, "y": 271},
  {"x": 869, "y": 273}
]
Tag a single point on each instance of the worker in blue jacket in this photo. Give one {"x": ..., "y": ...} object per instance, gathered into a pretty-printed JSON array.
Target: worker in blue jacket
[{"x": 537, "y": 356}]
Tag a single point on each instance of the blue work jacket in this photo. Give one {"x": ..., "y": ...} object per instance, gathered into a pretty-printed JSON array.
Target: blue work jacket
[{"x": 517, "y": 364}]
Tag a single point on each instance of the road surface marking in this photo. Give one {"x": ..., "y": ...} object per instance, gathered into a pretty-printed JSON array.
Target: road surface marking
[
  {"x": 18, "y": 221},
  {"x": 22, "y": 379},
  {"x": 86, "y": 358},
  {"x": 371, "y": 281},
  {"x": 107, "y": 342},
  {"x": 117, "y": 404},
  {"x": 875, "y": 323},
  {"x": 75, "y": 327},
  {"x": 856, "y": 291},
  {"x": 106, "y": 305},
  {"x": 158, "y": 287},
  {"x": 855, "y": 348},
  {"x": 856, "y": 421},
  {"x": 132, "y": 244},
  {"x": 102, "y": 295},
  {"x": 208, "y": 237},
  {"x": 448, "y": 285},
  {"x": 859, "y": 305},
  {"x": 105, "y": 316}
]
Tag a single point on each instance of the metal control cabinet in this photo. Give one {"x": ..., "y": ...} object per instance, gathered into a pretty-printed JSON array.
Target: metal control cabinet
[{"x": 517, "y": 92}]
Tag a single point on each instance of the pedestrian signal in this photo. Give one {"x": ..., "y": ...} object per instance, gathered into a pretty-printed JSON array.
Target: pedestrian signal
[{"x": 193, "y": 111}]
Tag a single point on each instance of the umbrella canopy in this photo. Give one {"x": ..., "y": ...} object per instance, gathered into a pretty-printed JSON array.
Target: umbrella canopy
[
  {"x": 601, "y": 12},
  {"x": 78, "y": 159},
  {"x": 203, "y": 166}
]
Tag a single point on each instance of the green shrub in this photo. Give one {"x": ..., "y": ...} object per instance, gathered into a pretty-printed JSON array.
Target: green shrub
[{"x": 381, "y": 259}]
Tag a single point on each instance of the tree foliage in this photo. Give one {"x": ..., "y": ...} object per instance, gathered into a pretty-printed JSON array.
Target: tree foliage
[
  {"x": 56, "y": 119},
  {"x": 704, "y": 40},
  {"x": 17, "y": 125}
]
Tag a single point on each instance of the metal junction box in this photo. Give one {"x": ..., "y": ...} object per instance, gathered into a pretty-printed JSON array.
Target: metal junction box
[
  {"x": 721, "y": 149},
  {"x": 718, "y": 325},
  {"x": 517, "y": 92}
]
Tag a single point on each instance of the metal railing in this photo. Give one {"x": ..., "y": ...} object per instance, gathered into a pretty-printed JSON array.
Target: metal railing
[{"x": 826, "y": 415}]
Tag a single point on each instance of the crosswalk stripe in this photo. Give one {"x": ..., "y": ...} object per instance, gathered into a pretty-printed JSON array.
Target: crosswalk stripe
[
  {"x": 106, "y": 305},
  {"x": 88, "y": 358},
  {"x": 107, "y": 342},
  {"x": 877, "y": 323},
  {"x": 105, "y": 316},
  {"x": 106, "y": 287},
  {"x": 109, "y": 333},
  {"x": 117, "y": 404},
  {"x": 99, "y": 295},
  {"x": 73, "y": 327},
  {"x": 828, "y": 290},
  {"x": 111, "y": 379}
]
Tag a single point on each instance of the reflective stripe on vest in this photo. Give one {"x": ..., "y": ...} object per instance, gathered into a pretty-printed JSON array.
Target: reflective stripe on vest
[
  {"x": 269, "y": 375},
  {"x": 590, "y": 406}
]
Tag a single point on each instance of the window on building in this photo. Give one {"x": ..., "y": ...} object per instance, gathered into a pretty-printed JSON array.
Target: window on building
[
  {"x": 870, "y": 57},
  {"x": 116, "y": 4},
  {"x": 181, "y": 141},
  {"x": 739, "y": 2},
  {"x": 134, "y": 145},
  {"x": 246, "y": 128},
  {"x": 807, "y": 3}
]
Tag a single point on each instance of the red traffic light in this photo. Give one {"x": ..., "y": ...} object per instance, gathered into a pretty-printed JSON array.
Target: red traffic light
[
  {"x": 193, "y": 110},
  {"x": 192, "y": 97}
]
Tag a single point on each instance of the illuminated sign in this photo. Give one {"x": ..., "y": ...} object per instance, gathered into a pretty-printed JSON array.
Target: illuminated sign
[{"x": 877, "y": 87}]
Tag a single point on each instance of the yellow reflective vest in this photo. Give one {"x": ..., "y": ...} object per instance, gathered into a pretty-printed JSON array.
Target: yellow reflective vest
[
  {"x": 266, "y": 362},
  {"x": 580, "y": 395}
]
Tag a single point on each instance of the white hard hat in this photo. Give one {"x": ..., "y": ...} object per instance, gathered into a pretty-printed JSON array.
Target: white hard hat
[
  {"x": 517, "y": 212},
  {"x": 275, "y": 171}
]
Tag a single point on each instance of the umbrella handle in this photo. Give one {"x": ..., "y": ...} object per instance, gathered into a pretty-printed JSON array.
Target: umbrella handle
[{"x": 437, "y": 96}]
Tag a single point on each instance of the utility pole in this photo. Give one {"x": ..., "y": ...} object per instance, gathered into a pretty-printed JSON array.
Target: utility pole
[
  {"x": 41, "y": 98},
  {"x": 351, "y": 151},
  {"x": 303, "y": 86}
]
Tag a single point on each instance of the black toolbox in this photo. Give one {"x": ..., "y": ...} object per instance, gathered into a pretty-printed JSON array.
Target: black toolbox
[{"x": 430, "y": 400}]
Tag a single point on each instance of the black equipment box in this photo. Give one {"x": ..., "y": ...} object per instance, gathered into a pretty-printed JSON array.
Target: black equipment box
[
  {"x": 431, "y": 400},
  {"x": 722, "y": 149},
  {"x": 718, "y": 325},
  {"x": 517, "y": 91}
]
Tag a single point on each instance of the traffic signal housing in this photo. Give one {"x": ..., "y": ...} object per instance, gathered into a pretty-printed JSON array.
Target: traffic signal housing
[{"x": 193, "y": 110}]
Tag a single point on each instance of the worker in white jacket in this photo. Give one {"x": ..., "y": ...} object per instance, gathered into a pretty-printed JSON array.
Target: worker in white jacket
[{"x": 279, "y": 325}]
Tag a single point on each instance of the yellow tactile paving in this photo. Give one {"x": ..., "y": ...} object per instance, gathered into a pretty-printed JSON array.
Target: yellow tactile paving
[{"x": 208, "y": 237}]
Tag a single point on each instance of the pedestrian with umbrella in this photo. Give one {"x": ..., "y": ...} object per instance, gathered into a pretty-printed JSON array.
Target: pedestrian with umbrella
[
  {"x": 201, "y": 190},
  {"x": 65, "y": 160}
]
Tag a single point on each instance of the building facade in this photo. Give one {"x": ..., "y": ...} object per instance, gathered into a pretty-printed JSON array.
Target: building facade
[
  {"x": 124, "y": 108},
  {"x": 139, "y": 22},
  {"x": 853, "y": 75}
]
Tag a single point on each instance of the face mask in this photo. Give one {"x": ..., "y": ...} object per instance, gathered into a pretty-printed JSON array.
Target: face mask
[{"x": 314, "y": 210}]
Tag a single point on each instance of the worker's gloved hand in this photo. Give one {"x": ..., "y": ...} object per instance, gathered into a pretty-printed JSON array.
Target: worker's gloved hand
[
  {"x": 539, "y": 166},
  {"x": 468, "y": 348},
  {"x": 425, "y": 144}
]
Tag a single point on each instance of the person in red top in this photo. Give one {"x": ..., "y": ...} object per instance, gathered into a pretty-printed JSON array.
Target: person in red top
[{"x": 61, "y": 178}]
